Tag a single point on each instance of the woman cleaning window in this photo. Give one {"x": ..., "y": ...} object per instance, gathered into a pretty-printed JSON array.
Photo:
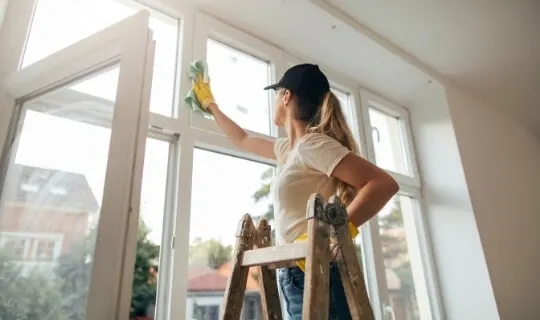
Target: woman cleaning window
[{"x": 319, "y": 155}]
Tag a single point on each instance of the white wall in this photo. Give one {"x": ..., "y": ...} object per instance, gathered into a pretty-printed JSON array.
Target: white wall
[
  {"x": 464, "y": 282},
  {"x": 502, "y": 166}
]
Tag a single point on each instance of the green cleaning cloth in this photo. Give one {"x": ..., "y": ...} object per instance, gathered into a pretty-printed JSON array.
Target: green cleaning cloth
[{"x": 196, "y": 68}]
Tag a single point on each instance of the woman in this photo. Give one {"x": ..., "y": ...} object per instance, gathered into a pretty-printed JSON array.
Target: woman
[{"x": 319, "y": 155}]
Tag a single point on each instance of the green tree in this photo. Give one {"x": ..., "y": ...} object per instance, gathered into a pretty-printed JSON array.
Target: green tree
[
  {"x": 262, "y": 194},
  {"x": 144, "y": 279},
  {"x": 210, "y": 252},
  {"x": 30, "y": 296},
  {"x": 394, "y": 244},
  {"x": 74, "y": 269},
  {"x": 393, "y": 236}
]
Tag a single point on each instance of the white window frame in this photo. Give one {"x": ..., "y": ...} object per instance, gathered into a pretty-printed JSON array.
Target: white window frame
[
  {"x": 128, "y": 44},
  {"x": 204, "y": 134},
  {"x": 410, "y": 186}
]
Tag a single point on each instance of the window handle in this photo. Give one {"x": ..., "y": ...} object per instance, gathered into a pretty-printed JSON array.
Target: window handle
[
  {"x": 388, "y": 310},
  {"x": 375, "y": 131}
]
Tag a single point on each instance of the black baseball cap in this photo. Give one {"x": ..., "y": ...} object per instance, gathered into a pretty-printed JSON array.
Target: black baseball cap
[{"x": 305, "y": 81}]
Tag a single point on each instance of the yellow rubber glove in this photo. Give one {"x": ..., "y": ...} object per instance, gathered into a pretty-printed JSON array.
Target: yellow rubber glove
[
  {"x": 203, "y": 92},
  {"x": 353, "y": 231}
]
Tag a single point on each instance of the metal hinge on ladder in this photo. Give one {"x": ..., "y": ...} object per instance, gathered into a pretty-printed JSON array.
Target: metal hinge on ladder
[{"x": 327, "y": 223}]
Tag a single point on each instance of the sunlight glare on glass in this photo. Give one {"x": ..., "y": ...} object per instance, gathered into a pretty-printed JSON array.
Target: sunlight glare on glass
[
  {"x": 231, "y": 194},
  {"x": 388, "y": 141},
  {"x": 237, "y": 83},
  {"x": 58, "y": 24}
]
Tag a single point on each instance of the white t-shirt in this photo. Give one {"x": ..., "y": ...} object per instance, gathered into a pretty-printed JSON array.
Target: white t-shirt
[{"x": 303, "y": 170}]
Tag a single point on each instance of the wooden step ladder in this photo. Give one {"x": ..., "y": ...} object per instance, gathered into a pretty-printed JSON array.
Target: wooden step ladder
[{"x": 327, "y": 223}]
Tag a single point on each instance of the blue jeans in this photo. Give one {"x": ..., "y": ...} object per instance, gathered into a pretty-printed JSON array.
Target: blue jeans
[{"x": 291, "y": 283}]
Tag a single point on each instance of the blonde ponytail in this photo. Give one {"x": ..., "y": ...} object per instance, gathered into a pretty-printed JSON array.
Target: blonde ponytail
[{"x": 331, "y": 122}]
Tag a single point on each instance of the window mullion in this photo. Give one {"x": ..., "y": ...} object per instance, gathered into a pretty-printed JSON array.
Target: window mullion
[
  {"x": 372, "y": 243},
  {"x": 408, "y": 143},
  {"x": 166, "y": 249},
  {"x": 361, "y": 123},
  {"x": 180, "y": 241},
  {"x": 372, "y": 254}
]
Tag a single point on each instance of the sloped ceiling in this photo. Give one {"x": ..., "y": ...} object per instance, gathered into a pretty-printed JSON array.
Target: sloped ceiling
[{"x": 492, "y": 48}]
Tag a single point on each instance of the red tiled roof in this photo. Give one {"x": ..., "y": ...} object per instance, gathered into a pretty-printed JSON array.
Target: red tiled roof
[
  {"x": 212, "y": 281},
  {"x": 203, "y": 278},
  {"x": 198, "y": 269}
]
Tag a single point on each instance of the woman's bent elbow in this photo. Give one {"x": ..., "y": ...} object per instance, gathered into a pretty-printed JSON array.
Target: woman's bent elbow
[{"x": 391, "y": 185}]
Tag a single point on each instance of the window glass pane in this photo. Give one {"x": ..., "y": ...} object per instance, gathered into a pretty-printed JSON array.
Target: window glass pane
[
  {"x": 402, "y": 260},
  {"x": 219, "y": 200},
  {"x": 388, "y": 142},
  {"x": 238, "y": 80},
  {"x": 51, "y": 202},
  {"x": 153, "y": 192},
  {"x": 59, "y": 23}
]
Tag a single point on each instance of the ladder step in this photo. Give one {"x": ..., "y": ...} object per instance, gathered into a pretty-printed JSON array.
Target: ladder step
[{"x": 274, "y": 255}]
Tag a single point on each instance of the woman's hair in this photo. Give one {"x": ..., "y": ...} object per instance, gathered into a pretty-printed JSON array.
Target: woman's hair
[{"x": 328, "y": 119}]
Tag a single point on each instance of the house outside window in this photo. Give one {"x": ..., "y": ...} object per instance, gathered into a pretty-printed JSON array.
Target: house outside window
[{"x": 28, "y": 247}]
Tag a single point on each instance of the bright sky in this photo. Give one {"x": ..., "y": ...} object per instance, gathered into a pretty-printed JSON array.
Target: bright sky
[{"x": 222, "y": 185}]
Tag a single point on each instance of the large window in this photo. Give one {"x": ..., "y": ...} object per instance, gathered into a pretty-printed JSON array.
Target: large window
[
  {"x": 59, "y": 23},
  {"x": 56, "y": 24},
  {"x": 398, "y": 256},
  {"x": 58, "y": 148},
  {"x": 224, "y": 189},
  {"x": 52, "y": 196}
]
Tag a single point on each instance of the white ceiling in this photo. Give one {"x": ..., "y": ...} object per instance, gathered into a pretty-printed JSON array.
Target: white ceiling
[
  {"x": 492, "y": 48},
  {"x": 304, "y": 29}
]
